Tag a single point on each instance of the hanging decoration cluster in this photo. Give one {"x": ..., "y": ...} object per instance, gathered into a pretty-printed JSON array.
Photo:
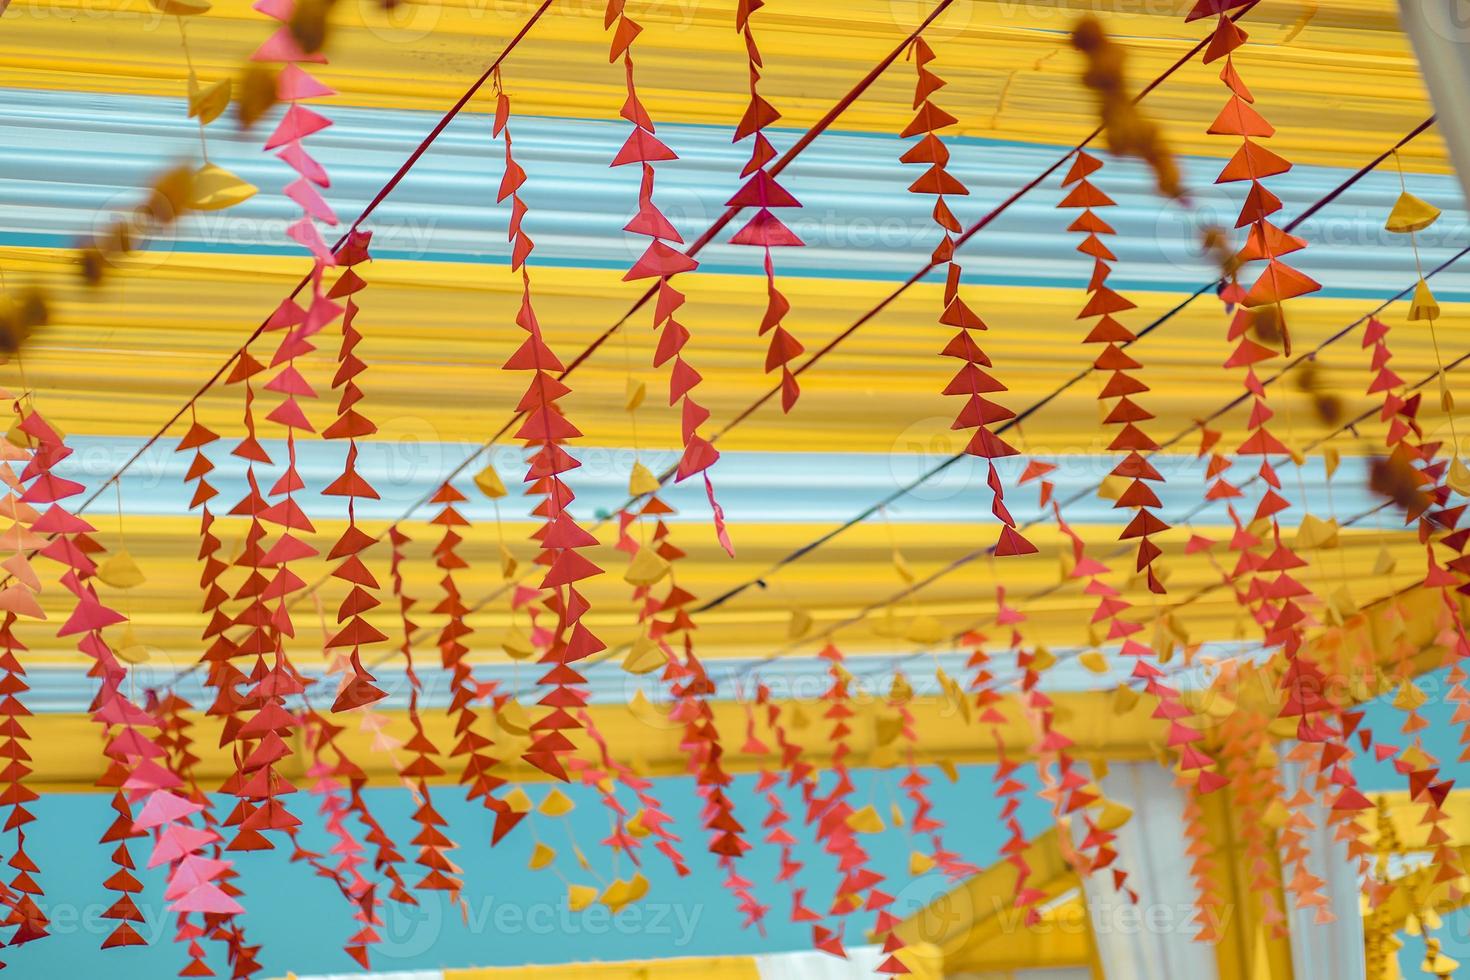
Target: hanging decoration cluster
[{"x": 267, "y": 714}]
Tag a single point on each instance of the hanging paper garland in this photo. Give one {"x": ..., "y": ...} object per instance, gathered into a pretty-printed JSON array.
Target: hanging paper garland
[
  {"x": 544, "y": 429},
  {"x": 433, "y": 845},
  {"x": 660, "y": 260},
  {"x": 651, "y": 819},
  {"x": 1260, "y": 311},
  {"x": 358, "y": 691},
  {"x": 1111, "y": 607},
  {"x": 915, "y": 784},
  {"x": 799, "y": 773},
  {"x": 1103, "y": 303},
  {"x": 761, "y": 191},
  {"x": 837, "y": 825},
  {"x": 970, "y": 382}
]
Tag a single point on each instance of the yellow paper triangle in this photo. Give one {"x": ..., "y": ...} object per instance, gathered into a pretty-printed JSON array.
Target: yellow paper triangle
[
  {"x": 517, "y": 645},
  {"x": 1411, "y": 213},
  {"x": 1459, "y": 478},
  {"x": 541, "y": 856},
  {"x": 1385, "y": 563},
  {"x": 216, "y": 188},
  {"x": 886, "y": 729},
  {"x": 517, "y": 800},
  {"x": 1424, "y": 305},
  {"x": 799, "y": 624},
  {"x": 947, "y": 767},
  {"x": 1409, "y": 697},
  {"x": 513, "y": 717},
  {"x": 865, "y": 821},
  {"x": 644, "y": 656},
  {"x": 615, "y": 895},
  {"x": 208, "y": 102},
  {"x": 920, "y": 863},
  {"x": 128, "y": 647},
  {"x": 1095, "y": 661},
  {"x": 635, "y": 393},
  {"x": 580, "y": 896},
  {"x": 642, "y": 481},
  {"x": 120, "y": 571},
  {"x": 646, "y": 568},
  {"x": 1331, "y": 457},
  {"x": 1042, "y": 659},
  {"x": 636, "y": 827},
  {"x": 925, "y": 630},
  {"x": 887, "y": 624},
  {"x": 555, "y": 804},
  {"x": 508, "y": 563},
  {"x": 1113, "y": 487},
  {"x": 1124, "y": 699},
  {"x": 1113, "y": 815},
  {"x": 1317, "y": 533},
  {"x": 490, "y": 483}
]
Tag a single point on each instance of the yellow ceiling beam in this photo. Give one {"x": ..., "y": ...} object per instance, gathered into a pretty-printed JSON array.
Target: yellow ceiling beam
[
  {"x": 66, "y": 757},
  {"x": 976, "y": 927}
]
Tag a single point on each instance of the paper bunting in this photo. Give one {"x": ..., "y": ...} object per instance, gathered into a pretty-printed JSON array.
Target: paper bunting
[
  {"x": 544, "y": 430},
  {"x": 282, "y": 731},
  {"x": 1262, "y": 578},
  {"x": 1128, "y": 483},
  {"x": 433, "y": 844},
  {"x": 764, "y": 230},
  {"x": 357, "y": 690},
  {"x": 661, "y": 261},
  {"x": 970, "y": 381}
]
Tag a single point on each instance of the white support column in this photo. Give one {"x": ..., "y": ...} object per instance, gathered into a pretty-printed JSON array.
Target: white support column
[
  {"x": 1333, "y": 951},
  {"x": 1440, "y": 31},
  {"x": 1153, "y": 940}
]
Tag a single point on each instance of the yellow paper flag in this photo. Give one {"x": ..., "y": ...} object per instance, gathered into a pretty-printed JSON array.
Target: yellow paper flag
[
  {"x": 644, "y": 656},
  {"x": 489, "y": 482},
  {"x": 1411, "y": 214},
  {"x": 1424, "y": 305},
  {"x": 641, "y": 480},
  {"x": 541, "y": 856},
  {"x": 555, "y": 804},
  {"x": 216, "y": 188},
  {"x": 121, "y": 572},
  {"x": 208, "y": 102},
  {"x": 865, "y": 821},
  {"x": 635, "y": 393},
  {"x": 646, "y": 568}
]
